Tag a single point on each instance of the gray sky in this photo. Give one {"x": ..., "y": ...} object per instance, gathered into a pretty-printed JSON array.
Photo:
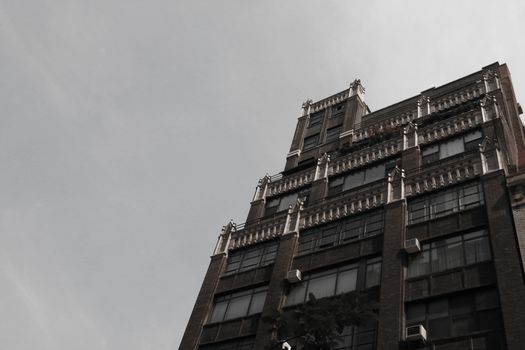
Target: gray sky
[{"x": 131, "y": 131}]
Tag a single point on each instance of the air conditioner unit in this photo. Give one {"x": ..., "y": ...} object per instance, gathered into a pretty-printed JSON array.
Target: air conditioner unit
[
  {"x": 412, "y": 246},
  {"x": 417, "y": 332},
  {"x": 294, "y": 276}
]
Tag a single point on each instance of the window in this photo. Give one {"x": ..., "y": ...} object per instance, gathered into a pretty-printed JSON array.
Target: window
[
  {"x": 457, "y": 315},
  {"x": 451, "y": 147},
  {"x": 237, "y": 344},
  {"x": 357, "y": 338},
  {"x": 343, "y": 231},
  {"x": 337, "y": 110},
  {"x": 332, "y": 134},
  {"x": 239, "y": 304},
  {"x": 311, "y": 142},
  {"x": 445, "y": 202},
  {"x": 445, "y": 254},
  {"x": 361, "y": 177},
  {"x": 316, "y": 119},
  {"x": 373, "y": 272},
  {"x": 306, "y": 162},
  {"x": 253, "y": 257},
  {"x": 281, "y": 203},
  {"x": 336, "y": 281}
]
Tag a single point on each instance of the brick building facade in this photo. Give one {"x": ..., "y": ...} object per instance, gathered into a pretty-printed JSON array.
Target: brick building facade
[{"x": 420, "y": 204}]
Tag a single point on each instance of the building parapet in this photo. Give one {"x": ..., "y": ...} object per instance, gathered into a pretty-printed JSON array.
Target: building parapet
[
  {"x": 366, "y": 198},
  {"x": 279, "y": 184},
  {"x": 450, "y": 126},
  {"x": 329, "y": 101},
  {"x": 339, "y": 207},
  {"x": 257, "y": 231},
  {"x": 449, "y": 100},
  {"x": 443, "y": 175},
  {"x": 365, "y": 156},
  {"x": 410, "y": 109},
  {"x": 362, "y": 157},
  {"x": 394, "y": 115}
]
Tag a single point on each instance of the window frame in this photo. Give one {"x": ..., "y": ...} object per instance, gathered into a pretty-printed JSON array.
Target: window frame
[
  {"x": 226, "y": 300},
  {"x": 364, "y": 173},
  {"x": 316, "y": 118},
  {"x": 308, "y": 144},
  {"x": 431, "y": 200},
  {"x": 453, "y": 314},
  {"x": 299, "y": 292},
  {"x": 332, "y": 134},
  {"x": 267, "y": 253},
  {"x": 310, "y": 240},
  {"x": 352, "y": 337},
  {"x": 247, "y": 343},
  {"x": 437, "y": 151},
  {"x": 300, "y": 194},
  {"x": 435, "y": 267},
  {"x": 337, "y": 110}
]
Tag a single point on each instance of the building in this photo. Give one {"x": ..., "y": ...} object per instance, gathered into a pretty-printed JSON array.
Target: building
[{"x": 421, "y": 204}]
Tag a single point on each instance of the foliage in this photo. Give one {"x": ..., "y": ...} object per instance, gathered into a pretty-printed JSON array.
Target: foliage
[{"x": 318, "y": 323}]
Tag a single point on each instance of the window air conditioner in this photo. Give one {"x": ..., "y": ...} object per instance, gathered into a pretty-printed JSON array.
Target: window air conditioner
[
  {"x": 412, "y": 246},
  {"x": 294, "y": 276},
  {"x": 417, "y": 332}
]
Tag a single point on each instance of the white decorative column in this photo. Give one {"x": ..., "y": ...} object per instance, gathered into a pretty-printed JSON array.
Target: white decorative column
[
  {"x": 489, "y": 108},
  {"x": 321, "y": 171},
  {"x": 262, "y": 186},
  {"x": 410, "y": 133},
  {"x": 357, "y": 89},
  {"x": 223, "y": 241},
  {"x": 306, "y": 107},
  {"x": 292, "y": 223},
  {"x": 490, "y": 154},
  {"x": 423, "y": 106},
  {"x": 491, "y": 81},
  {"x": 396, "y": 178}
]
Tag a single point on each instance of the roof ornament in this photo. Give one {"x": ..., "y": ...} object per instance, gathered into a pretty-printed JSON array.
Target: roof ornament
[
  {"x": 490, "y": 154},
  {"x": 396, "y": 185},
  {"x": 489, "y": 107},
  {"x": 357, "y": 89},
  {"x": 306, "y": 106},
  {"x": 321, "y": 171},
  {"x": 423, "y": 106},
  {"x": 491, "y": 81}
]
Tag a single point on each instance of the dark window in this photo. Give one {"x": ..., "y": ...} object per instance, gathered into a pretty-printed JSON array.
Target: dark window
[
  {"x": 337, "y": 110},
  {"x": 252, "y": 257},
  {"x": 311, "y": 142},
  {"x": 336, "y": 281},
  {"x": 306, "y": 162},
  {"x": 281, "y": 203},
  {"x": 332, "y": 134},
  {"x": 444, "y": 202},
  {"x": 238, "y": 304},
  {"x": 457, "y": 315},
  {"x": 357, "y": 338},
  {"x": 451, "y": 147},
  {"x": 445, "y": 254},
  {"x": 316, "y": 118},
  {"x": 373, "y": 272},
  {"x": 237, "y": 344},
  {"x": 343, "y": 231},
  {"x": 361, "y": 177}
]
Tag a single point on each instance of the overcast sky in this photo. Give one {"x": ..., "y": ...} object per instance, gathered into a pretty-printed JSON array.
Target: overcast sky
[{"x": 131, "y": 131}]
